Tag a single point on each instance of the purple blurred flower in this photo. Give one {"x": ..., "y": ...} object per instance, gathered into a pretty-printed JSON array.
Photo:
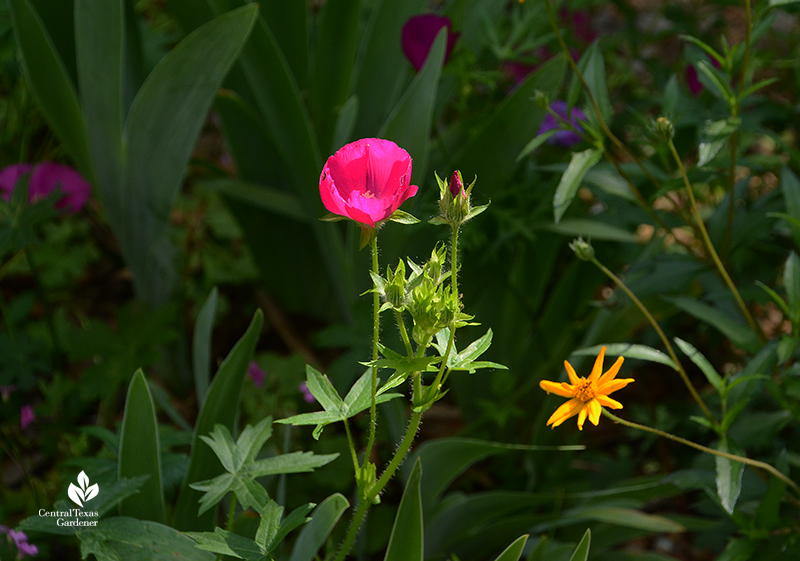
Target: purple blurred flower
[
  {"x": 44, "y": 177},
  {"x": 306, "y": 393},
  {"x": 256, "y": 374},
  {"x": 26, "y": 416},
  {"x": 419, "y": 33},
  {"x": 23, "y": 547},
  {"x": 562, "y": 137}
]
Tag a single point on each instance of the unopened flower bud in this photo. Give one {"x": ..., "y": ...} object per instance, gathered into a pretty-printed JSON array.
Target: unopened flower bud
[
  {"x": 457, "y": 185},
  {"x": 583, "y": 249},
  {"x": 664, "y": 128},
  {"x": 396, "y": 286},
  {"x": 541, "y": 99}
]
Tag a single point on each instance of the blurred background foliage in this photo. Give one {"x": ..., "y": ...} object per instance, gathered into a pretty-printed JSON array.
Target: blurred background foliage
[{"x": 89, "y": 298}]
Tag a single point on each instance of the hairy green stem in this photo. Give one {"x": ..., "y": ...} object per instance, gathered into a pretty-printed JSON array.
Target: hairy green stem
[
  {"x": 352, "y": 445},
  {"x": 401, "y": 325},
  {"x": 437, "y": 382},
  {"x": 376, "y": 327},
  {"x": 710, "y": 247},
  {"x": 376, "y": 489},
  {"x": 755, "y": 463},
  {"x": 662, "y": 336}
]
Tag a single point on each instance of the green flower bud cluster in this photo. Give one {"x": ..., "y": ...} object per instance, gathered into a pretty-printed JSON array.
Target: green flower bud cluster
[{"x": 455, "y": 205}]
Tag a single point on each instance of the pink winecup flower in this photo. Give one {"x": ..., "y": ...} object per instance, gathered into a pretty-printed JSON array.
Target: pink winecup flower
[
  {"x": 26, "y": 416},
  {"x": 256, "y": 374},
  {"x": 44, "y": 178},
  {"x": 367, "y": 180},
  {"x": 418, "y": 35},
  {"x": 21, "y": 542}
]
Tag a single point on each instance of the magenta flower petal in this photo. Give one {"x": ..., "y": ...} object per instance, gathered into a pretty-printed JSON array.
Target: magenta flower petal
[
  {"x": 256, "y": 374},
  {"x": 418, "y": 35},
  {"x": 26, "y": 416},
  {"x": 47, "y": 175},
  {"x": 9, "y": 177},
  {"x": 366, "y": 180}
]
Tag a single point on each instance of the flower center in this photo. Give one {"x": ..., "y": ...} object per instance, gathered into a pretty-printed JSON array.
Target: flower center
[{"x": 585, "y": 390}]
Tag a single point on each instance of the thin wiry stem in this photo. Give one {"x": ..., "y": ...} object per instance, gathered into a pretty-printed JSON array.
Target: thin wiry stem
[
  {"x": 755, "y": 463},
  {"x": 662, "y": 336},
  {"x": 617, "y": 142},
  {"x": 710, "y": 247}
]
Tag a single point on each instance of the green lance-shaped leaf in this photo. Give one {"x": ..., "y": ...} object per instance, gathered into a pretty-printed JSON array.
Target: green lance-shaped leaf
[
  {"x": 201, "y": 345},
  {"x": 735, "y": 330},
  {"x": 337, "y": 42},
  {"x": 444, "y": 459},
  {"x": 791, "y": 282},
  {"x": 381, "y": 68},
  {"x": 50, "y": 83},
  {"x": 219, "y": 407},
  {"x": 100, "y": 77},
  {"x": 729, "y": 476},
  {"x": 580, "y": 163},
  {"x": 405, "y": 542},
  {"x": 640, "y": 352},
  {"x": 410, "y": 122},
  {"x": 315, "y": 533},
  {"x": 790, "y": 186},
  {"x": 513, "y": 551},
  {"x": 592, "y": 66},
  {"x": 581, "y": 552},
  {"x": 702, "y": 362},
  {"x": 139, "y": 452},
  {"x": 160, "y": 133}
]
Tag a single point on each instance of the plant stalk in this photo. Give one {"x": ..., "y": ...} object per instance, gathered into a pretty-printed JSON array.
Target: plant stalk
[
  {"x": 662, "y": 336},
  {"x": 710, "y": 247},
  {"x": 755, "y": 463}
]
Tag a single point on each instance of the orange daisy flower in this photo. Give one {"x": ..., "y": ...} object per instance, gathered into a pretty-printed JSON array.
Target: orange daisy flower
[{"x": 588, "y": 395}]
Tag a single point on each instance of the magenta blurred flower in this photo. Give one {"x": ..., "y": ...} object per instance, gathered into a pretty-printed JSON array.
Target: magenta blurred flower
[
  {"x": 21, "y": 542},
  {"x": 562, "y": 137},
  {"x": 418, "y": 35},
  {"x": 44, "y": 177},
  {"x": 580, "y": 21},
  {"x": 26, "y": 416},
  {"x": 367, "y": 180},
  {"x": 256, "y": 374},
  {"x": 306, "y": 393},
  {"x": 693, "y": 80}
]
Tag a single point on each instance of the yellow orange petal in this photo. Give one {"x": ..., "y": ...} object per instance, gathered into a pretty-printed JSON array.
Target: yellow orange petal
[
  {"x": 582, "y": 416},
  {"x": 606, "y": 401},
  {"x": 598, "y": 365},
  {"x": 573, "y": 377},
  {"x": 614, "y": 385},
  {"x": 594, "y": 411},
  {"x": 563, "y": 389},
  {"x": 567, "y": 410},
  {"x": 611, "y": 373}
]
